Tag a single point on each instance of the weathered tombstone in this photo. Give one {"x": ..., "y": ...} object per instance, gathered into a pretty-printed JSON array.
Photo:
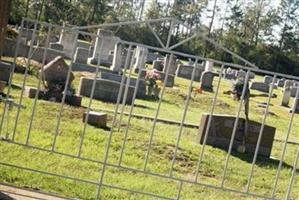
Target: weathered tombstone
[
  {"x": 151, "y": 57},
  {"x": 55, "y": 72},
  {"x": 209, "y": 66},
  {"x": 260, "y": 86},
  {"x": 54, "y": 75},
  {"x": 286, "y": 93},
  {"x": 206, "y": 81},
  {"x": 158, "y": 65},
  {"x": 220, "y": 133},
  {"x": 140, "y": 55},
  {"x": 185, "y": 71},
  {"x": 268, "y": 79},
  {"x": 67, "y": 40},
  {"x": 5, "y": 70},
  {"x": 117, "y": 58},
  {"x": 107, "y": 42},
  {"x": 56, "y": 46},
  {"x": 172, "y": 64},
  {"x": 105, "y": 90},
  {"x": 97, "y": 119},
  {"x": 81, "y": 55}
]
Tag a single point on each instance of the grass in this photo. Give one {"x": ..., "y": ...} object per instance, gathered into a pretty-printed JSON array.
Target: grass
[{"x": 160, "y": 157}]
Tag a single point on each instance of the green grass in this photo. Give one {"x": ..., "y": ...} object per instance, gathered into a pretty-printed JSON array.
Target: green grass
[{"x": 45, "y": 122}]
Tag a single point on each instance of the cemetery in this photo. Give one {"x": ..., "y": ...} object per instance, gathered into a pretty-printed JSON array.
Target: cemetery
[{"x": 85, "y": 96}]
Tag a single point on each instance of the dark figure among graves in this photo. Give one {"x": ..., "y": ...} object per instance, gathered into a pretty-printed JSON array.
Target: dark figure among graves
[{"x": 236, "y": 92}]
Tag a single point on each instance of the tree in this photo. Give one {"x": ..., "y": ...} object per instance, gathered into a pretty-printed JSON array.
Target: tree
[{"x": 5, "y": 6}]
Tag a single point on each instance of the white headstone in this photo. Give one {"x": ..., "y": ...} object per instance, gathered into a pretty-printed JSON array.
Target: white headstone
[
  {"x": 107, "y": 42},
  {"x": 117, "y": 58},
  {"x": 67, "y": 40},
  {"x": 286, "y": 93},
  {"x": 172, "y": 64},
  {"x": 140, "y": 55},
  {"x": 209, "y": 66}
]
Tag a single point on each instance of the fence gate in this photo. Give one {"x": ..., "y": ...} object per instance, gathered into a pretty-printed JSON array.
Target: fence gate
[{"x": 150, "y": 147}]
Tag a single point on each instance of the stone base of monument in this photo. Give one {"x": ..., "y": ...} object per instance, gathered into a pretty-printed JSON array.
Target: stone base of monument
[
  {"x": 105, "y": 90},
  {"x": 170, "y": 79},
  {"x": 72, "y": 100},
  {"x": 105, "y": 63},
  {"x": 220, "y": 132},
  {"x": 97, "y": 119}
]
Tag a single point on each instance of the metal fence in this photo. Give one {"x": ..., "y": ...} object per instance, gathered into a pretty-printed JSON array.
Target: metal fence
[{"x": 12, "y": 114}]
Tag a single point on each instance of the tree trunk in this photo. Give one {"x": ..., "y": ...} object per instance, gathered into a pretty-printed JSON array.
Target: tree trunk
[
  {"x": 27, "y": 8},
  {"x": 4, "y": 15},
  {"x": 210, "y": 27}
]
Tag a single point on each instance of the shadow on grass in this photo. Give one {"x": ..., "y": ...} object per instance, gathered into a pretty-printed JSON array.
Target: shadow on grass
[{"x": 262, "y": 161}]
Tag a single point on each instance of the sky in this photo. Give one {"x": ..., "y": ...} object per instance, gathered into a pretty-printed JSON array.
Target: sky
[{"x": 221, "y": 4}]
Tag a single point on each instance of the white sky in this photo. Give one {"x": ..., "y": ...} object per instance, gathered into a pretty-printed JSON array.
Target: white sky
[{"x": 221, "y": 5}]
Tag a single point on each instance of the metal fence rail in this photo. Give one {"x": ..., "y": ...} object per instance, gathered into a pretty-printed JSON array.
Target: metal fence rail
[{"x": 119, "y": 116}]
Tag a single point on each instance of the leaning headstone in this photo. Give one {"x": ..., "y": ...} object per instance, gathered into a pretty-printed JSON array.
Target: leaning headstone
[
  {"x": 117, "y": 58},
  {"x": 97, "y": 119},
  {"x": 107, "y": 42},
  {"x": 81, "y": 55},
  {"x": 5, "y": 70},
  {"x": 172, "y": 64},
  {"x": 286, "y": 93},
  {"x": 140, "y": 56},
  {"x": 260, "y": 86},
  {"x": 56, "y": 72},
  {"x": 220, "y": 133},
  {"x": 293, "y": 91},
  {"x": 206, "y": 81}
]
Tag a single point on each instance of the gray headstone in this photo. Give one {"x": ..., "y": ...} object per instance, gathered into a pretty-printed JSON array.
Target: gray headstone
[
  {"x": 81, "y": 55},
  {"x": 268, "y": 79},
  {"x": 5, "y": 70},
  {"x": 185, "y": 71},
  {"x": 105, "y": 90},
  {"x": 158, "y": 65},
  {"x": 55, "y": 72},
  {"x": 206, "y": 81},
  {"x": 286, "y": 93},
  {"x": 260, "y": 86}
]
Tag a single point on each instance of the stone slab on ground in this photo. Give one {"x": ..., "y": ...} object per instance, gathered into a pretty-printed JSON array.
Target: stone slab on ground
[
  {"x": 15, "y": 193},
  {"x": 105, "y": 90},
  {"x": 98, "y": 119},
  {"x": 221, "y": 128}
]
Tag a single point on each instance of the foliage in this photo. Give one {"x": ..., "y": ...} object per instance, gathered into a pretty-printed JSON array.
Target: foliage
[{"x": 264, "y": 33}]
